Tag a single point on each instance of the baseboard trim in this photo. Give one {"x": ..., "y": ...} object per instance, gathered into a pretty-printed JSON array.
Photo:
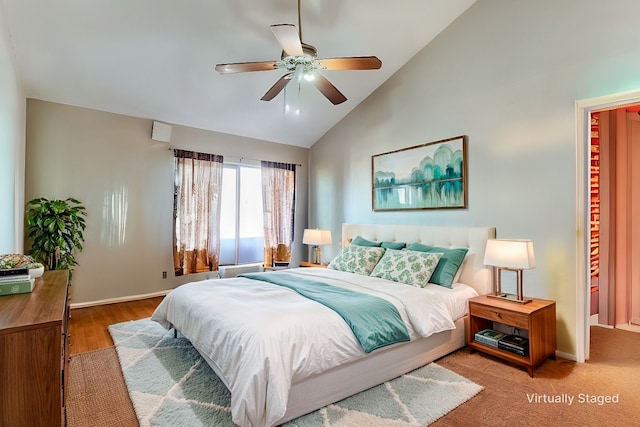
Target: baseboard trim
[
  {"x": 120, "y": 299},
  {"x": 628, "y": 327},
  {"x": 568, "y": 356}
]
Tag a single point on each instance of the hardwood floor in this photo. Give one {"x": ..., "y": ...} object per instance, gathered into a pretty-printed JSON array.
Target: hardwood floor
[{"x": 88, "y": 326}]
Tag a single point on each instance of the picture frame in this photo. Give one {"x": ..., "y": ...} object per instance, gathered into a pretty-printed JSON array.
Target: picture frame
[{"x": 427, "y": 176}]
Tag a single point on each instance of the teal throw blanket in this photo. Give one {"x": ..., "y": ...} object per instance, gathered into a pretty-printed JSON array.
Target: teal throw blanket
[{"x": 374, "y": 321}]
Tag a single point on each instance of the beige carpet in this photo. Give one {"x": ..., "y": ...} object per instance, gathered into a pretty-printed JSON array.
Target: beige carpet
[
  {"x": 613, "y": 369},
  {"x": 98, "y": 397}
]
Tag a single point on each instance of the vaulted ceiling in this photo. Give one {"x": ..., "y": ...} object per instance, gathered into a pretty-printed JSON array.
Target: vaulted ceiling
[{"x": 155, "y": 59}]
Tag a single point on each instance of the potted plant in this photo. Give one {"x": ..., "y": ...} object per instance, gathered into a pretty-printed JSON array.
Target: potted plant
[{"x": 56, "y": 228}]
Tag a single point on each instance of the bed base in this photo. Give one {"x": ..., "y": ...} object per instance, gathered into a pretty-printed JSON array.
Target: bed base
[
  {"x": 320, "y": 390},
  {"x": 346, "y": 380}
]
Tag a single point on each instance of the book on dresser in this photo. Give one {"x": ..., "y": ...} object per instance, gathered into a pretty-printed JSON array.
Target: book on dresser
[
  {"x": 18, "y": 287},
  {"x": 12, "y": 279},
  {"x": 13, "y": 273},
  {"x": 15, "y": 281}
]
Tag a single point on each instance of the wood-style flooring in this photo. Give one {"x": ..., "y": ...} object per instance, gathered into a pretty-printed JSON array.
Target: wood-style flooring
[
  {"x": 612, "y": 370},
  {"x": 88, "y": 326}
]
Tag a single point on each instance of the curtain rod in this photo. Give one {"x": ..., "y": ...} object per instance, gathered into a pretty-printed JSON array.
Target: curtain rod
[{"x": 241, "y": 158}]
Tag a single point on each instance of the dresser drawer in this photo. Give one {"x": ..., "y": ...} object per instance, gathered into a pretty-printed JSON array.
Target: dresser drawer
[{"x": 518, "y": 320}]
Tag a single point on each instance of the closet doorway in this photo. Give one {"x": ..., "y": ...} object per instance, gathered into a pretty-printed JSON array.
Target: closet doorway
[
  {"x": 614, "y": 202},
  {"x": 618, "y": 301}
]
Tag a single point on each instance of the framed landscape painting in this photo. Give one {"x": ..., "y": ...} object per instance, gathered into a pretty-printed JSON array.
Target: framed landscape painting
[{"x": 427, "y": 176}]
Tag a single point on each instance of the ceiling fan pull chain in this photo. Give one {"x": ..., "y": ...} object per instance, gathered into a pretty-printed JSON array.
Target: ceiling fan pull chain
[{"x": 299, "y": 23}]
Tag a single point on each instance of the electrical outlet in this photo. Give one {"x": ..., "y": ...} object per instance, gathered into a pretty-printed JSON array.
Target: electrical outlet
[{"x": 164, "y": 274}]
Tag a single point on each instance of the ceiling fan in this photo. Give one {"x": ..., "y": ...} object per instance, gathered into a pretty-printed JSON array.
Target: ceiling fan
[{"x": 300, "y": 59}]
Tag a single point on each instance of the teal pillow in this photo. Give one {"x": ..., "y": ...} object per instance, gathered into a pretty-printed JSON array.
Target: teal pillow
[
  {"x": 360, "y": 241},
  {"x": 394, "y": 245},
  {"x": 448, "y": 265}
]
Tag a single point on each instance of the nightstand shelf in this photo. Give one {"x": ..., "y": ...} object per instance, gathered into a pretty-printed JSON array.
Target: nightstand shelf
[{"x": 537, "y": 318}]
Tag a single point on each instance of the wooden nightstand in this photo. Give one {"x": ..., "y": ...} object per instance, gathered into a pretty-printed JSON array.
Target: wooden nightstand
[
  {"x": 537, "y": 317},
  {"x": 311, "y": 264}
]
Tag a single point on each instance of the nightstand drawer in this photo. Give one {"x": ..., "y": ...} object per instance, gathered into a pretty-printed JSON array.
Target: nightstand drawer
[{"x": 518, "y": 320}]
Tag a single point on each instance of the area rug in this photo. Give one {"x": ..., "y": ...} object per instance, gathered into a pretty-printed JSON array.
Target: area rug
[
  {"x": 96, "y": 395},
  {"x": 170, "y": 384}
]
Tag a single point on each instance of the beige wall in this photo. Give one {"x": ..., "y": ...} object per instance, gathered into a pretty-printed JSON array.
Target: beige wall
[
  {"x": 125, "y": 179},
  {"x": 12, "y": 141},
  {"x": 507, "y": 74}
]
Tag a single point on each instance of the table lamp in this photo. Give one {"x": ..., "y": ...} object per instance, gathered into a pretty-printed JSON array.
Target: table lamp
[
  {"x": 512, "y": 255},
  {"x": 316, "y": 238}
]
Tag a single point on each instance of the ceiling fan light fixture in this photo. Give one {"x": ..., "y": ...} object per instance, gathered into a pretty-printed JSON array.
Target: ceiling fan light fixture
[
  {"x": 292, "y": 97},
  {"x": 308, "y": 63}
]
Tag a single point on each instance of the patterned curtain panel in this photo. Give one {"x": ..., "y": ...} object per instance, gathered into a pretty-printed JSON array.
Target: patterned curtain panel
[
  {"x": 196, "y": 212},
  {"x": 278, "y": 198}
]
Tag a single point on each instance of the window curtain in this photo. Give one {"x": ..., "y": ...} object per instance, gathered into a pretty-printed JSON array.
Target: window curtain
[
  {"x": 196, "y": 212},
  {"x": 278, "y": 198}
]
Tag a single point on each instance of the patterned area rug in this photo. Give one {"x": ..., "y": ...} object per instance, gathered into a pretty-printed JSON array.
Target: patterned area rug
[{"x": 171, "y": 385}]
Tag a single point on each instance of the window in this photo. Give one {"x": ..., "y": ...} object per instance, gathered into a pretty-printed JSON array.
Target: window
[
  {"x": 241, "y": 220},
  {"x": 219, "y": 217}
]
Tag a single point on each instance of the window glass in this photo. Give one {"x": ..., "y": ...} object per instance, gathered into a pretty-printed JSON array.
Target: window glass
[{"x": 241, "y": 223}]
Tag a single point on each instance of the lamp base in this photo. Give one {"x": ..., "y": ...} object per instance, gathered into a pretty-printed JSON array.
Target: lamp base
[{"x": 509, "y": 297}]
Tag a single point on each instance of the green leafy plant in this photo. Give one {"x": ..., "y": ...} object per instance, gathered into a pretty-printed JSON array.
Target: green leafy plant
[{"x": 56, "y": 228}]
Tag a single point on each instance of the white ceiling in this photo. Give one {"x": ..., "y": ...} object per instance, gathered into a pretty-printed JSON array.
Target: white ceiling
[{"x": 155, "y": 59}]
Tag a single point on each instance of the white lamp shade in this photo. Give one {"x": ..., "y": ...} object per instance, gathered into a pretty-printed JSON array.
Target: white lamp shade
[
  {"x": 510, "y": 254},
  {"x": 316, "y": 237}
]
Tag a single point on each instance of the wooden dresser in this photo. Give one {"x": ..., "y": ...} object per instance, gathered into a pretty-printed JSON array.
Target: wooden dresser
[{"x": 33, "y": 341}]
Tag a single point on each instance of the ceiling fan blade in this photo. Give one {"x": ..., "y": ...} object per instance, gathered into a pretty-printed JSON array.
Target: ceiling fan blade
[
  {"x": 328, "y": 89},
  {"x": 288, "y": 37},
  {"x": 277, "y": 87},
  {"x": 351, "y": 63},
  {"x": 242, "y": 67}
]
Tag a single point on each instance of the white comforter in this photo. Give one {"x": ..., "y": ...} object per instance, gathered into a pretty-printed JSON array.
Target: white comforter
[{"x": 259, "y": 338}]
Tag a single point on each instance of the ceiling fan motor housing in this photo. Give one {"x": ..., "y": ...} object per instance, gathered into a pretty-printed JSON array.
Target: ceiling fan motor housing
[{"x": 306, "y": 48}]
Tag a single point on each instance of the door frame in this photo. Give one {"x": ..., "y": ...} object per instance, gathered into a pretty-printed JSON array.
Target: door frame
[{"x": 584, "y": 108}]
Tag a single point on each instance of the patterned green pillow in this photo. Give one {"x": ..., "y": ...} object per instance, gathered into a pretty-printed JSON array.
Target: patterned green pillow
[
  {"x": 357, "y": 259},
  {"x": 409, "y": 267}
]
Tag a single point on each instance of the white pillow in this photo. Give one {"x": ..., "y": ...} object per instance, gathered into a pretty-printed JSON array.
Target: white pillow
[
  {"x": 409, "y": 267},
  {"x": 357, "y": 259},
  {"x": 456, "y": 278}
]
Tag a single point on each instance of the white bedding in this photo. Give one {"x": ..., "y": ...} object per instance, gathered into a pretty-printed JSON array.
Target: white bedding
[{"x": 260, "y": 337}]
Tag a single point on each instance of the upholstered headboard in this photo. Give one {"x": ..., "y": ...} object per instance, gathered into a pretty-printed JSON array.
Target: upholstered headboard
[{"x": 474, "y": 272}]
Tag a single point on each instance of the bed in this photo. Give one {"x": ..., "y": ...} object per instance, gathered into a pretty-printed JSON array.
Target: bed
[{"x": 282, "y": 354}]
